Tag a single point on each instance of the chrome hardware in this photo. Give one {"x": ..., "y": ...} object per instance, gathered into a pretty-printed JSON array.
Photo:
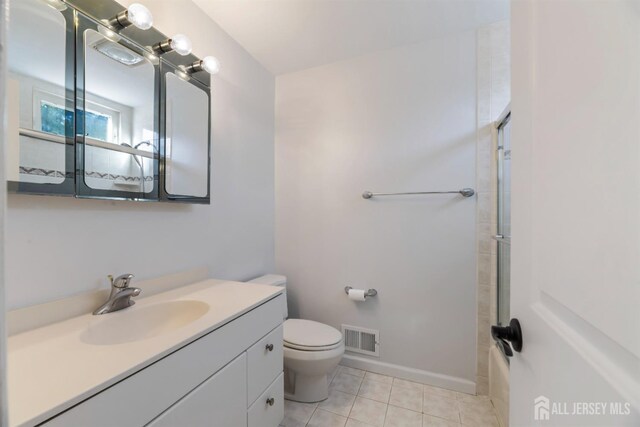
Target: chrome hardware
[
  {"x": 120, "y": 296},
  {"x": 465, "y": 192},
  {"x": 271, "y": 401},
  {"x": 162, "y": 47},
  {"x": 503, "y": 118},
  {"x": 502, "y": 239},
  {"x": 369, "y": 293},
  {"x": 122, "y": 281},
  {"x": 269, "y": 347}
]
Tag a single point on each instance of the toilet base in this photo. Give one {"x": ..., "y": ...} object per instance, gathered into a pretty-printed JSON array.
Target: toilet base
[
  {"x": 306, "y": 373},
  {"x": 306, "y": 389}
]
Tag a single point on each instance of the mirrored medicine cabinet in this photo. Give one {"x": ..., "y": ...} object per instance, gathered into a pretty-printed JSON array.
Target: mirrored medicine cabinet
[{"x": 97, "y": 113}]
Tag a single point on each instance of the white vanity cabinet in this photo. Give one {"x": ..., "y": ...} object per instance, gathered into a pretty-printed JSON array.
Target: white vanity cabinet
[{"x": 230, "y": 377}]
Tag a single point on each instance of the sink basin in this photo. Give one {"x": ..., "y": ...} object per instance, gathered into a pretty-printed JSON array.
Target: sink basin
[{"x": 139, "y": 323}]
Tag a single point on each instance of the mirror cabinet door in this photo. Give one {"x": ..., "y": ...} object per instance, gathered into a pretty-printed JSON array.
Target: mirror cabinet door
[
  {"x": 186, "y": 148},
  {"x": 40, "y": 94},
  {"x": 117, "y": 112}
]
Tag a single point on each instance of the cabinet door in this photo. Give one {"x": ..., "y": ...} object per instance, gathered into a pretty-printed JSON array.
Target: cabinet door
[
  {"x": 185, "y": 113},
  {"x": 219, "y": 401},
  {"x": 39, "y": 140},
  {"x": 117, "y": 93}
]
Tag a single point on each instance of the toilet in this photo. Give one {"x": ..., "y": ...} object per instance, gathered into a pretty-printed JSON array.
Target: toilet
[{"x": 312, "y": 350}]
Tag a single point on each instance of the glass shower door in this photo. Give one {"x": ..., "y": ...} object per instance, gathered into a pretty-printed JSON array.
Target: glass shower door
[{"x": 504, "y": 221}]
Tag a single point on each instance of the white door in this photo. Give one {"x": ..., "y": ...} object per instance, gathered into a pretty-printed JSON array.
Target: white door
[{"x": 576, "y": 212}]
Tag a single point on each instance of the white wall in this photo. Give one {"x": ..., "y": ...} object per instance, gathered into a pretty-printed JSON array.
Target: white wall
[
  {"x": 61, "y": 246},
  {"x": 395, "y": 120}
]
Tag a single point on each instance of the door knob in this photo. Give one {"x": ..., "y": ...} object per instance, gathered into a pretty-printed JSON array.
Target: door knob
[
  {"x": 505, "y": 334},
  {"x": 269, "y": 347}
]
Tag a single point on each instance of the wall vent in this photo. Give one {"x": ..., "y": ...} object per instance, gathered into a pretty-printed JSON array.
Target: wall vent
[{"x": 361, "y": 340}]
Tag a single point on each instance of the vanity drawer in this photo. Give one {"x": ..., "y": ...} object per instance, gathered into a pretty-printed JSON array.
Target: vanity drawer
[
  {"x": 264, "y": 414},
  {"x": 264, "y": 363}
]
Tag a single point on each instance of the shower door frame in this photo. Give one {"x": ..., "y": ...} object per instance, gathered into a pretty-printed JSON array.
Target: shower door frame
[{"x": 503, "y": 241}]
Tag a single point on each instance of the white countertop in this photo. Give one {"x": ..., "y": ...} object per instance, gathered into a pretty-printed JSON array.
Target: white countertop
[{"x": 51, "y": 369}]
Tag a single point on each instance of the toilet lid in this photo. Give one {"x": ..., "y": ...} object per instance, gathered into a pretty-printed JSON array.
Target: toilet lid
[{"x": 310, "y": 335}]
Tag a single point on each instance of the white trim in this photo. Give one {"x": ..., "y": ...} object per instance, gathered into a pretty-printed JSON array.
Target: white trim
[
  {"x": 612, "y": 361},
  {"x": 4, "y": 418},
  {"x": 424, "y": 377}
]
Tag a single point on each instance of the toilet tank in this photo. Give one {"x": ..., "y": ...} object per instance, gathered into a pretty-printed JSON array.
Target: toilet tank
[{"x": 275, "y": 280}]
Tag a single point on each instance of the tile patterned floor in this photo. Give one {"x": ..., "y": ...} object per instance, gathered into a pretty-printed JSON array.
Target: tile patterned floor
[{"x": 364, "y": 399}]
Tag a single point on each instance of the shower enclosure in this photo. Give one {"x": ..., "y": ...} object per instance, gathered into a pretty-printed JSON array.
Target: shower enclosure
[{"x": 503, "y": 236}]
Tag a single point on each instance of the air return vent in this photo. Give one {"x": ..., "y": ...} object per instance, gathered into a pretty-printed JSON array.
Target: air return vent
[{"x": 361, "y": 340}]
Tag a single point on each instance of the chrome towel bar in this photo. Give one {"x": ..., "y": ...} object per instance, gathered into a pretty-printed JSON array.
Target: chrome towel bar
[{"x": 465, "y": 192}]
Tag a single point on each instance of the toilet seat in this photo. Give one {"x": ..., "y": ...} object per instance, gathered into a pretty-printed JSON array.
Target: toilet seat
[
  {"x": 307, "y": 335},
  {"x": 303, "y": 348}
]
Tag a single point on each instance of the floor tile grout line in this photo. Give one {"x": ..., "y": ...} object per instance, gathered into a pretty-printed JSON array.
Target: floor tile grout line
[
  {"x": 423, "y": 413},
  {"x": 386, "y": 411}
]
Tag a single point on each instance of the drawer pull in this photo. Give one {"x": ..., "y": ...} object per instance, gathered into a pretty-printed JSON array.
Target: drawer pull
[
  {"x": 271, "y": 401},
  {"x": 269, "y": 347}
]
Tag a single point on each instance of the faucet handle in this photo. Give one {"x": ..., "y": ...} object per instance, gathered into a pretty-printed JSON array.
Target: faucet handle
[{"x": 121, "y": 281}]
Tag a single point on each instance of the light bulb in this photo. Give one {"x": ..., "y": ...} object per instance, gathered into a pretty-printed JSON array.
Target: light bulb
[
  {"x": 140, "y": 16},
  {"x": 181, "y": 44},
  {"x": 210, "y": 64}
]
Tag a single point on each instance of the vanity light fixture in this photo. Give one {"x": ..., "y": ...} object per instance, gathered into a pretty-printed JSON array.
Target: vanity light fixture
[
  {"x": 180, "y": 43},
  {"x": 57, "y": 4},
  {"x": 151, "y": 58},
  {"x": 210, "y": 64},
  {"x": 109, "y": 34},
  {"x": 182, "y": 75},
  {"x": 136, "y": 15}
]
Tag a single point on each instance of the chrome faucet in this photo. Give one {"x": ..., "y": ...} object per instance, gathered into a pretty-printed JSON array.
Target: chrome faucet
[{"x": 120, "y": 296}]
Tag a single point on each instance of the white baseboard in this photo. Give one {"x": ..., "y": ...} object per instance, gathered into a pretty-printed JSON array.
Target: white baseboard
[{"x": 410, "y": 374}]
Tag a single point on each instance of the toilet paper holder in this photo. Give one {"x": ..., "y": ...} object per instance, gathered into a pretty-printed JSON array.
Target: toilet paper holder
[{"x": 369, "y": 293}]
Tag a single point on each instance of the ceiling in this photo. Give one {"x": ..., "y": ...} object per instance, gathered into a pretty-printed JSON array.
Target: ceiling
[{"x": 291, "y": 35}]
